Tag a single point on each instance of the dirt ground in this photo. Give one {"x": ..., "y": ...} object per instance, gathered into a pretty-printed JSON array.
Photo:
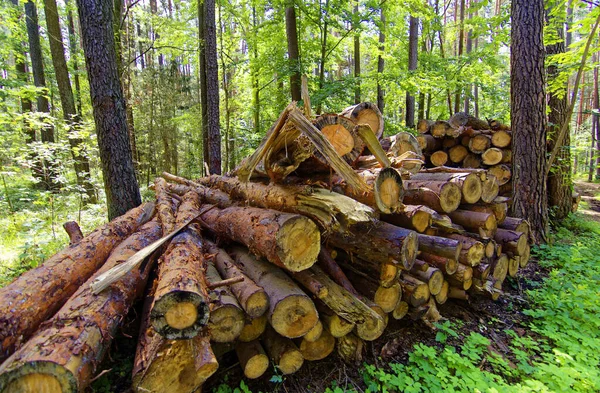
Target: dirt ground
[{"x": 589, "y": 192}]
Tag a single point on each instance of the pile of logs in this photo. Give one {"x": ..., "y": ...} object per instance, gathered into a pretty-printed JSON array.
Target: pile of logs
[
  {"x": 465, "y": 141},
  {"x": 310, "y": 247}
]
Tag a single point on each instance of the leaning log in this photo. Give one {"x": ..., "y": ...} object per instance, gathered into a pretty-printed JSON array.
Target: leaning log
[
  {"x": 37, "y": 294},
  {"x": 85, "y": 324},
  {"x": 226, "y": 320},
  {"x": 291, "y": 312}
]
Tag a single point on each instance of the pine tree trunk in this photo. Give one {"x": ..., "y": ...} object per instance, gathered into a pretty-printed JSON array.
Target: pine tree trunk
[
  {"x": 528, "y": 103},
  {"x": 120, "y": 184},
  {"x": 73, "y": 119},
  {"x": 293, "y": 50},
  {"x": 202, "y": 77},
  {"x": 357, "y": 99},
  {"x": 413, "y": 47},
  {"x": 212, "y": 88},
  {"x": 381, "y": 61}
]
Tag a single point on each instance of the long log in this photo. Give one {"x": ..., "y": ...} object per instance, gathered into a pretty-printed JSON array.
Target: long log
[
  {"x": 472, "y": 251},
  {"x": 443, "y": 197},
  {"x": 475, "y": 221},
  {"x": 417, "y": 217},
  {"x": 382, "y": 243},
  {"x": 181, "y": 307},
  {"x": 447, "y": 265},
  {"x": 291, "y": 312},
  {"x": 441, "y": 246},
  {"x": 251, "y": 297},
  {"x": 37, "y": 294},
  {"x": 469, "y": 183},
  {"x": 428, "y": 143},
  {"x": 287, "y": 240},
  {"x": 226, "y": 320},
  {"x": 341, "y": 301},
  {"x": 52, "y": 358}
]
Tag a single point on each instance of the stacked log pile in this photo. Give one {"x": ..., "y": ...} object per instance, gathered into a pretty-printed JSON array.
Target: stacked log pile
[
  {"x": 319, "y": 238},
  {"x": 467, "y": 142}
]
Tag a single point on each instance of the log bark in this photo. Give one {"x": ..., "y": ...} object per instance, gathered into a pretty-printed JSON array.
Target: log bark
[
  {"x": 366, "y": 113},
  {"x": 469, "y": 183},
  {"x": 291, "y": 312},
  {"x": 447, "y": 265},
  {"x": 253, "y": 358},
  {"x": 441, "y": 246},
  {"x": 416, "y": 292},
  {"x": 415, "y": 217},
  {"x": 283, "y": 352},
  {"x": 462, "y": 119},
  {"x": 181, "y": 306},
  {"x": 287, "y": 240},
  {"x": 250, "y": 296},
  {"x": 39, "y": 293},
  {"x": 475, "y": 221},
  {"x": 52, "y": 357},
  {"x": 74, "y": 231}
]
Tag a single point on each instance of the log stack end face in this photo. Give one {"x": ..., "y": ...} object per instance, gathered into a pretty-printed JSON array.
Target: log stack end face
[
  {"x": 36, "y": 377},
  {"x": 298, "y": 243},
  {"x": 180, "y": 315}
]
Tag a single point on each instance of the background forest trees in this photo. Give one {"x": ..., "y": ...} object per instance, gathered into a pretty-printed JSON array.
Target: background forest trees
[{"x": 457, "y": 58}]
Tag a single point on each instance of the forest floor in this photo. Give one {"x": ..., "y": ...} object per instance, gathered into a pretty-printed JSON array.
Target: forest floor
[{"x": 590, "y": 194}]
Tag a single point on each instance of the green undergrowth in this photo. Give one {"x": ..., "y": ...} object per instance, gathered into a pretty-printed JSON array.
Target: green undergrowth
[{"x": 557, "y": 350}]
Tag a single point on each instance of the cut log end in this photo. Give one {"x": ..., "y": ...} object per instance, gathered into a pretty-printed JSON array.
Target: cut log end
[
  {"x": 410, "y": 248},
  {"x": 450, "y": 196},
  {"x": 290, "y": 361},
  {"x": 253, "y": 359},
  {"x": 299, "y": 243},
  {"x": 257, "y": 304},
  {"x": 400, "y": 311},
  {"x": 472, "y": 188},
  {"x": 319, "y": 349},
  {"x": 441, "y": 297},
  {"x": 253, "y": 329},
  {"x": 294, "y": 316},
  {"x": 36, "y": 377},
  {"x": 388, "y": 190},
  {"x": 226, "y": 323},
  {"x": 314, "y": 333},
  {"x": 179, "y": 314},
  {"x": 435, "y": 282},
  {"x": 388, "y": 298}
]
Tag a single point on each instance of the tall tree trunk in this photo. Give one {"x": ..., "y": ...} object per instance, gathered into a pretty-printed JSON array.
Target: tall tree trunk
[
  {"x": 140, "y": 49},
  {"x": 50, "y": 170},
  {"x": 357, "y": 99},
  {"x": 469, "y": 48},
  {"x": 461, "y": 40},
  {"x": 442, "y": 53},
  {"x": 74, "y": 56},
  {"x": 202, "y": 77},
  {"x": 212, "y": 88},
  {"x": 381, "y": 61},
  {"x": 324, "y": 33},
  {"x": 57, "y": 51},
  {"x": 595, "y": 149},
  {"x": 293, "y": 50},
  {"x": 559, "y": 178},
  {"x": 528, "y": 109},
  {"x": 120, "y": 184},
  {"x": 421, "y": 92},
  {"x": 413, "y": 47},
  {"x": 255, "y": 68},
  {"x": 476, "y": 92},
  {"x": 229, "y": 153}
]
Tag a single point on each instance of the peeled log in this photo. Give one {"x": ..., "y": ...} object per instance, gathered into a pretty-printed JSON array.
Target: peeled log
[
  {"x": 181, "y": 302},
  {"x": 291, "y": 312},
  {"x": 251, "y": 297},
  {"x": 341, "y": 301},
  {"x": 37, "y": 294},
  {"x": 382, "y": 243},
  {"x": 286, "y": 240},
  {"x": 253, "y": 359},
  {"x": 283, "y": 352},
  {"x": 366, "y": 113},
  {"x": 52, "y": 358},
  {"x": 226, "y": 316},
  {"x": 410, "y": 216},
  {"x": 441, "y": 246}
]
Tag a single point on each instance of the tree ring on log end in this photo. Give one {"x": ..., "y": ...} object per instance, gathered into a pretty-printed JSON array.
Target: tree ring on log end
[
  {"x": 186, "y": 310},
  {"x": 435, "y": 282},
  {"x": 257, "y": 304},
  {"x": 291, "y": 361},
  {"x": 388, "y": 298},
  {"x": 450, "y": 196},
  {"x": 226, "y": 323},
  {"x": 294, "y": 316},
  {"x": 388, "y": 190},
  {"x": 401, "y": 310},
  {"x": 420, "y": 221},
  {"x": 410, "y": 247},
  {"x": 319, "y": 349},
  {"x": 472, "y": 188},
  {"x": 298, "y": 243},
  {"x": 339, "y": 131},
  {"x": 38, "y": 376},
  {"x": 253, "y": 329},
  {"x": 256, "y": 366},
  {"x": 441, "y": 297},
  {"x": 373, "y": 328}
]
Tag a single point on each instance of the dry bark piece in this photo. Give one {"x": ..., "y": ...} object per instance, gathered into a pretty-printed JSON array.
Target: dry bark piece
[
  {"x": 286, "y": 240},
  {"x": 319, "y": 349},
  {"x": 226, "y": 316},
  {"x": 251, "y": 297},
  {"x": 74, "y": 231},
  {"x": 366, "y": 113},
  {"x": 52, "y": 357},
  {"x": 291, "y": 312},
  {"x": 283, "y": 352},
  {"x": 38, "y": 293},
  {"x": 253, "y": 328},
  {"x": 253, "y": 359}
]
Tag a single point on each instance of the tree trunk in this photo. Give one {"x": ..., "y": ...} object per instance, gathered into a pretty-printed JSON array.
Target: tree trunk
[
  {"x": 323, "y": 59},
  {"x": 413, "y": 48},
  {"x": 559, "y": 177},
  {"x": 356, "y": 26},
  {"x": 73, "y": 48},
  {"x": 528, "y": 103},
  {"x": 87, "y": 322},
  {"x": 203, "y": 81},
  {"x": 212, "y": 88},
  {"x": 73, "y": 119},
  {"x": 461, "y": 40},
  {"x": 120, "y": 184},
  {"x": 381, "y": 61},
  {"x": 36, "y": 295},
  {"x": 293, "y": 50}
]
